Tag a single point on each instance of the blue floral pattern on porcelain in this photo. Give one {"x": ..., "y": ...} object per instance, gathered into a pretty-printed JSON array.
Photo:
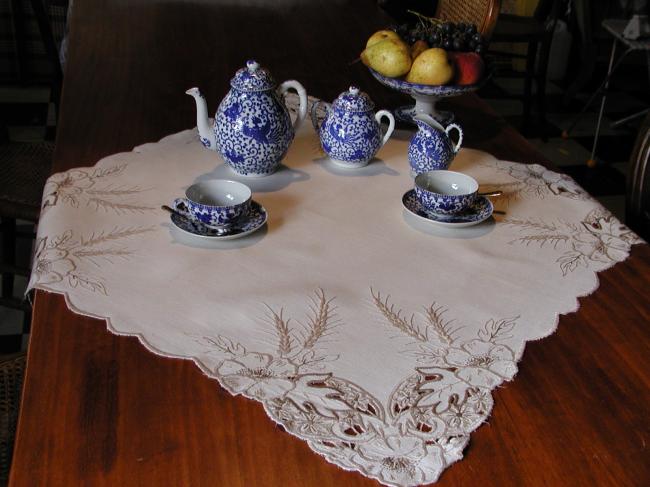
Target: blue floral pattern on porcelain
[
  {"x": 431, "y": 147},
  {"x": 351, "y": 133},
  {"x": 253, "y": 131},
  {"x": 252, "y": 128},
  {"x": 479, "y": 210},
  {"x": 443, "y": 204},
  {"x": 211, "y": 215},
  {"x": 253, "y": 221},
  {"x": 426, "y": 90}
]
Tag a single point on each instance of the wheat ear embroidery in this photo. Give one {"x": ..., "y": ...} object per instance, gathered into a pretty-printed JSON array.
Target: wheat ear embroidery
[
  {"x": 395, "y": 318},
  {"x": 319, "y": 324},
  {"x": 443, "y": 329},
  {"x": 285, "y": 340}
]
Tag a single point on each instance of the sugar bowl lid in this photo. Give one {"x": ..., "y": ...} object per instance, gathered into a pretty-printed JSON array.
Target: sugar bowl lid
[
  {"x": 354, "y": 100},
  {"x": 253, "y": 78}
]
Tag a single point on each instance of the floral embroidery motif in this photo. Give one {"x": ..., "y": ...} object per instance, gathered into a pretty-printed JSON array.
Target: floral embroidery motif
[
  {"x": 264, "y": 375},
  {"x": 598, "y": 238},
  {"x": 77, "y": 185},
  {"x": 537, "y": 181},
  {"x": 450, "y": 392},
  {"x": 398, "y": 459},
  {"x": 426, "y": 422},
  {"x": 57, "y": 258}
]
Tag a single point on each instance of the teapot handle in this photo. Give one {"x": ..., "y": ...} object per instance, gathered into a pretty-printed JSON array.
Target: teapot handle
[
  {"x": 302, "y": 95},
  {"x": 456, "y": 147},
  {"x": 314, "y": 116},
  {"x": 391, "y": 124}
]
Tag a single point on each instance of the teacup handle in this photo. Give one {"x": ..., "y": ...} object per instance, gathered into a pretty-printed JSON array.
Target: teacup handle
[
  {"x": 314, "y": 117},
  {"x": 180, "y": 205},
  {"x": 302, "y": 95},
  {"x": 456, "y": 147},
  {"x": 391, "y": 124}
]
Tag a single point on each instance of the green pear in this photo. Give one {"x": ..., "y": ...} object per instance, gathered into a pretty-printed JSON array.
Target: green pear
[
  {"x": 431, "y": 67},
  {"x": 381, "y": 35},
  {"x": 389, "y": 57}
]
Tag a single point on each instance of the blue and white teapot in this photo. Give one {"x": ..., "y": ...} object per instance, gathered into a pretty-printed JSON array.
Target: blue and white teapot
[
  {"x": 431, "y": 147},
  {"x": 350, "y": 133},
  {"x": 252, "y": 128}
]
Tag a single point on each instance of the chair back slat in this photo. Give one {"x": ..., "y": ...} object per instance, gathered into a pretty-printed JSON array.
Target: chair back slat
[
  {"x": 483, "y": 13},
  {"x": 637, "y": 204},
  {"x": 12, "y": 371}
]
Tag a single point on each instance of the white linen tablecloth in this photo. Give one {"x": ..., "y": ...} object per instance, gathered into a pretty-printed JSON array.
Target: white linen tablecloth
[{"x": 371, "y": 335}]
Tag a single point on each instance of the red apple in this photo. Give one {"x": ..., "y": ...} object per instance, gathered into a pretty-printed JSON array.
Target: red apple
[{"x": 469, "y": 67}]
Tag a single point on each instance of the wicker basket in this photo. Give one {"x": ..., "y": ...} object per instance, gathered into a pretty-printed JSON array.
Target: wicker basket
[{"x": 12, "y": 371}]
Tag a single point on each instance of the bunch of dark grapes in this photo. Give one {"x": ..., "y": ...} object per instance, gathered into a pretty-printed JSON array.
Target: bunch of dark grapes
[{"x": 446, "y": 35}]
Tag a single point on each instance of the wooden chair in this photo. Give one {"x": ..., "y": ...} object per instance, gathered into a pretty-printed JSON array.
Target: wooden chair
[
  {"x": 24, "y": 167},
  {"x": 537, "y": 33},
  {"x": 23, "y": 172},
  {"x": 637, "y": 204},
  {"x": 483, "y": 13},
  {"x": 12, "y": 371}
]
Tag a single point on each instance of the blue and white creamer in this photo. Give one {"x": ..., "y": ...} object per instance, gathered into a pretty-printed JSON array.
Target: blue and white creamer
[{"x": 431, "y": 147}]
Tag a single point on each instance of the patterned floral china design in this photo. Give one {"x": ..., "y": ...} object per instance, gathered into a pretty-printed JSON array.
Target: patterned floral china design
[
  {"x": 351, "y": 133},
  {"x": 253, "y": 221},
  {"x": 444, "y": 192},
  {"x": 216, "y": 202},
  {"x": 252, "y": 128},
  {"x": 481, "y": 209},
  {"x": 431, "y": 147}
]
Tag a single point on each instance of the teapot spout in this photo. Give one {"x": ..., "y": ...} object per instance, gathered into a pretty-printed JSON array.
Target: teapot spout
[{"x": 206, "y": 133}]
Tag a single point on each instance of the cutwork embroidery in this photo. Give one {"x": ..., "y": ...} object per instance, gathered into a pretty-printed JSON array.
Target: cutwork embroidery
[
  {"x": 535, "y": 181},
  {"x": 73, "y": 187},
  {"x": 426, "y": 423},
  {"x": 57, "y": 258},
  {"x": 598, "y": 238}
]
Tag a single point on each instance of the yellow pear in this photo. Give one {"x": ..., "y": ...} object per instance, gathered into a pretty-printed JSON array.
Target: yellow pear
[
  {"x": 390, "y": 57},
  {"x": 431, "y": 67},
  {"x": 380, "y": 35},
  {"x": 417, "y": 48}
]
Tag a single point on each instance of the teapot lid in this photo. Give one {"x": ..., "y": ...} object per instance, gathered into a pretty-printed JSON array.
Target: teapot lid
[
  {"x": 253, "y": 78},
  {"x": 354, "y": 100}
]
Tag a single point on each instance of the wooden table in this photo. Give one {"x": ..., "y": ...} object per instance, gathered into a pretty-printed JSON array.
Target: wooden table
[{"x": 99, "y": 409}]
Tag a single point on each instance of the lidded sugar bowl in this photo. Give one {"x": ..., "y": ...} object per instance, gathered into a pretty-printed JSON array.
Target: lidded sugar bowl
[
  {"x": 252, "y": 128},
  {"x": 351, "y": 132}
]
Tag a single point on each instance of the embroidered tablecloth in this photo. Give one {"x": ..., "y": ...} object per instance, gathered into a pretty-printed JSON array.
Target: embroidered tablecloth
[{"x": 373, "y": 336}]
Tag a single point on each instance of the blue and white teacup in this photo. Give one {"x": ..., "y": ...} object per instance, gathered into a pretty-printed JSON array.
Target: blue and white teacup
[
  {"x": 445, "y": 192},
  {"x": 217, "y": 202}
]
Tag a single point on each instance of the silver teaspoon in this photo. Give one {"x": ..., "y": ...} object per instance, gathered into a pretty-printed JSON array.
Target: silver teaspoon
[{"x": 491, "y": 193}]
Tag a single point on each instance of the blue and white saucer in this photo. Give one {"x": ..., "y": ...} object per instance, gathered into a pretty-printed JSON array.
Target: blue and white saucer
[
  {"x": 253, "y": 221},
  {"x": 475, "y": 214}
]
